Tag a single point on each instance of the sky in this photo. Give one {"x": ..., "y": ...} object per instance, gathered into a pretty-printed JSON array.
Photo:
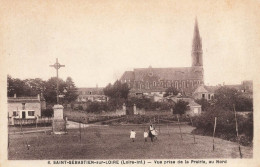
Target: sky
[{"x": 97, "y": 40}]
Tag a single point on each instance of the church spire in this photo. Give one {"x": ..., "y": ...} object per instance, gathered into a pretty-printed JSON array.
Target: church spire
[{"x": 196, "y": 46}]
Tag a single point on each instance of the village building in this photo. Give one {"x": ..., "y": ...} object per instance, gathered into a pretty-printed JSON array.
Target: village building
[
  {"x": 91, "y": 94},
  {"x": 186, "y": 79},
  {"x": 194, "y": 109},
  {"x": 203, "y": 92},
  {"x": 25, "y": 107}
]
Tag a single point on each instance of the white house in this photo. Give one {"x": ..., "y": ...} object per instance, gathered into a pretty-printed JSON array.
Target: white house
[{"x": 24, "y": 107}]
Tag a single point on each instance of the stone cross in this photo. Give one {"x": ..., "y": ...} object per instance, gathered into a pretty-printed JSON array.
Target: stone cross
[{"x": 57, "y": 66}]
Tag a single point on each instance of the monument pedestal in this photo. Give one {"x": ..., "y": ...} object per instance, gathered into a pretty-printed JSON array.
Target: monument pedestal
[{"x": 58, "y": 123}]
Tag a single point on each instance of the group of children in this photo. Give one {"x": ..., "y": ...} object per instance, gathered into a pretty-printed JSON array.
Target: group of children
[{"x": 152, "y": 133}]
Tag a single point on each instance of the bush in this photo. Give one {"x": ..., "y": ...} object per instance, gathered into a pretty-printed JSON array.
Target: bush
[
  {"x": 47, "y": 112},
  {"x": 226, "y": 125},
  {"x": 180, "y": 107}
]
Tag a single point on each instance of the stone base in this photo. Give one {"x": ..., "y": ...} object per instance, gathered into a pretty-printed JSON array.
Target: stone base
[{"x": 59, "y": 126}]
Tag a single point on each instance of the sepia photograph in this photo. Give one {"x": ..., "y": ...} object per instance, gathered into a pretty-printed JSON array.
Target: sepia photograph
[{"x": 139, "y": 82}]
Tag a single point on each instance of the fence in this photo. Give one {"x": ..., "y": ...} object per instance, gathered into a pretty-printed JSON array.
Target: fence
[{"x": 19, "y": 121}]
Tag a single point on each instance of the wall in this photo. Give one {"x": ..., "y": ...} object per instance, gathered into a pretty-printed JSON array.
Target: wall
[{"x": 36, "y": 106}]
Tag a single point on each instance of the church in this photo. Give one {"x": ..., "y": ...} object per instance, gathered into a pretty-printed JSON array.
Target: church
[{"x": 157, "y": 80}]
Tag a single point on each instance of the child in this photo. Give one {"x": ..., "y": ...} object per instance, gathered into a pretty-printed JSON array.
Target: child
[
  {"x": 145, "y": 136},
  {"x": 132, "y": 135}
]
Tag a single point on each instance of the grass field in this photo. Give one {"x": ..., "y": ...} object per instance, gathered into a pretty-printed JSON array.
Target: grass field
[{"x": 112, "y": 142}]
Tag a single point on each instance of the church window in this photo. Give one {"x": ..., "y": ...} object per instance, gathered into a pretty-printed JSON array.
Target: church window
[
  {"x": 176, "y": 84},
  {"x": 203, "y": 96},
  {"x": 154, "y": 83},
  {"x": 90, "y": 93},
  {"x": 183, "y": 84},
  {"x": 187, "y": 83}
]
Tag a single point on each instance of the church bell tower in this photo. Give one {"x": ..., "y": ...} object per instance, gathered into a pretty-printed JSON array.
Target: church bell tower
[{"x": 196, "y": 52}]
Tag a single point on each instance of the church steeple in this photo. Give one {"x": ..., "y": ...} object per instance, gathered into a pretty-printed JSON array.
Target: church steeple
[{"x": 196, "y": 52}]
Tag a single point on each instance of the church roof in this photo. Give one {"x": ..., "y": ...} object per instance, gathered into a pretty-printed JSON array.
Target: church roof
[
  {"x": 128, "y": 75},
  {"x": 178, "y": 73}
]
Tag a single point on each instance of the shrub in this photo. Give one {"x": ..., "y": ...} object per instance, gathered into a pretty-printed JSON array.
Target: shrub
[
  {"x": 180, "y": 107},
  {"x": 47, "y": 112},
  {"x": 226, "y": 125}
]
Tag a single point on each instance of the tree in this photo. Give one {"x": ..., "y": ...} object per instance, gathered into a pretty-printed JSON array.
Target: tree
[
  {"x": 50, "y": 93},
  {"x": 171, "y": 91},
  {"x": 180, "y": 107},
  {"x": 71, "y": 91},
  {"x": 17, "y": 86},
  {"x": 205, "y": 104},
  {"x": 118, "y": 90},
  {"x": 36, "y": 86}
]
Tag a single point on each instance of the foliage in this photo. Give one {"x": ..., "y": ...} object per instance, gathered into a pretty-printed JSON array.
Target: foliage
[
  {"x": 227, "y": 97},
  {"x": 171, "y": 91},
  {"x": 97, "y": 107},
  {"x": 205, "y": 104},
  {"x": 180, "y": 107},
  {"x": 33, "y": 87},
  {"x": 47, "y": 112},
  {"x": 71, "y": 91},
  {"x": 50, "y": 93},
  {"x": 117, "y": 91},
  {"x": 226, "y": 125},
  {"x": 27, "y": 87}
]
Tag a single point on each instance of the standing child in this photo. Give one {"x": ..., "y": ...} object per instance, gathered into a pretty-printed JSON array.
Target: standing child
[
  {"x": 132, "y": 135},
  {"x": 145, "y": 136}
]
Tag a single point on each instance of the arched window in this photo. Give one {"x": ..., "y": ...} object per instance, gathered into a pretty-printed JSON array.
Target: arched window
[
  {"x": 176, "y": 84},
  {"x": 187, "y": 83},
  {"x": 154, "y": 83},
  {"x": 183, "y": 84}
]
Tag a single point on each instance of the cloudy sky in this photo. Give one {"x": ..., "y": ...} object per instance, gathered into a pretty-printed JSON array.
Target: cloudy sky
[{"x": 98, "y": 40}]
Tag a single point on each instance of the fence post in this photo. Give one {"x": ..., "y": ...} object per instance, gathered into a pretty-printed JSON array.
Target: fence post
[
  {"x": 80, "y": 132},
  {"x": 179, "y": 126},
  {"x": 237, "y": 132},
  {"x": 192, "y": 133},
  {"x": 214, "y": 132}
]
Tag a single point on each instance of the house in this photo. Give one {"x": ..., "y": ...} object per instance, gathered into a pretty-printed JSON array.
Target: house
[
  {"x": 203, "y": 92},
  {"x": 24, "y": 107},
  {"x": 194, "y": 109},
  {"x": 91, "y": 94}
]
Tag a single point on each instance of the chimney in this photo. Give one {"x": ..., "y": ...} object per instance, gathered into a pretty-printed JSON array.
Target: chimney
[{"x": 15, "y": 95}]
